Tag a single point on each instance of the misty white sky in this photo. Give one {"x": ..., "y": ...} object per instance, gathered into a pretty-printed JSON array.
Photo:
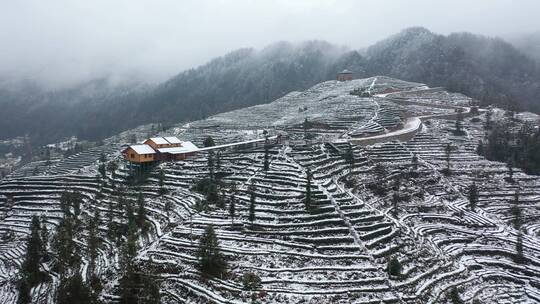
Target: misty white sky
[{"x": 59, "y": 43}]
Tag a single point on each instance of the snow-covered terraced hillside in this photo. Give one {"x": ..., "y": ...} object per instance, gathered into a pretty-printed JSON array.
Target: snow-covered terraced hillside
[{"x": 388, "y": 201}]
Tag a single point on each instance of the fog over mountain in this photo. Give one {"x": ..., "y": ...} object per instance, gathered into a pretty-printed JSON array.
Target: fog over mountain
[
  {"x": 488, "y": 69},
  {"x": 59, "y": 44}
]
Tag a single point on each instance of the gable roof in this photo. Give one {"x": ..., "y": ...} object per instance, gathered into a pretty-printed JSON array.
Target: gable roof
[
  {"x": 142, "y": 149},
  {"x": 186, "y": 147},
  {"x": 159, "y": 140},
  {"x": 173, "y": 139},
  {"x": 345, "y": 72}
]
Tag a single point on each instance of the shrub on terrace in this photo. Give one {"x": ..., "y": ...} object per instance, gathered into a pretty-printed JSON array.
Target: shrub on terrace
[
  {"x": 394, "y": 267},
  {"x": 454, "y": 296},
  {"x": 251, "y": 281}
]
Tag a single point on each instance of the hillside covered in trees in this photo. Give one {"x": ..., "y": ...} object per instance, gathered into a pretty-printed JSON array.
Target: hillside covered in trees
[{"x": 484, "y": 68}]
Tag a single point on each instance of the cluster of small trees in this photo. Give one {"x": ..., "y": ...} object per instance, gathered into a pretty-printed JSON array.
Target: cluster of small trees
[{"x": 520, "y": 149}]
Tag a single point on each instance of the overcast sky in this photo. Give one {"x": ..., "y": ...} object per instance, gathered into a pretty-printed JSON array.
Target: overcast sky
[{"x": 59, "y": 43}]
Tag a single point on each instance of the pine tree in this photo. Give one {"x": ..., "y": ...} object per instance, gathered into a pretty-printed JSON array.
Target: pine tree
[
  {"x": 210, "y": 164},
  {"x": 349, "y": 156},
  {"x": 111, "y": 227},
  {"x": 65, "y": 203},
  {"x": 44, "y": 235},
  {"x": 141, "y": 213},
  {"x": 74, "y": 290},
  {"x": 128, "y": 253},
  {"x": 509, "y": 166},
  {"x": 308, "y": 200},
  {"x": 34, "y": 254},
  {"x": 218, "y": 160},
  {"x": 515, "y": 210},
  {"x": 459, "y": 123},
  {"x": 448, "y": 151},
  {"x": 161, "y": 182},
  {"x": 473, "y": 196},
  {"x": 232, "y": 209},
  {"x": 414, "y": 162},
  {"x": 252, "y": 202},
  {"x": 266, "y": 158},
  {"x": 210, "y": 260},
  {"x": 480, "y": 148},
  {"x": 519, "y": 258},
  {"x": 65, "y": 248},
  {"x": 395, "y": 201},
  {"x": 93, "y": 242},
  {"x": 24, "y": 288},
  {"x": 168, "y": 207}
]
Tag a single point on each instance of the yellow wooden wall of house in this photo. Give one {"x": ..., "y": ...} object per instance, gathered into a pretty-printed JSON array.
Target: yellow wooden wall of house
[{"x": 133, "y": 156}]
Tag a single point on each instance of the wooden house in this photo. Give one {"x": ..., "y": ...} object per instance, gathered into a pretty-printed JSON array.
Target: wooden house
[
  {"x": 345, "y": 75},
  {"x": 163, "y": 142},
  {"x": 140, "y": 153}
]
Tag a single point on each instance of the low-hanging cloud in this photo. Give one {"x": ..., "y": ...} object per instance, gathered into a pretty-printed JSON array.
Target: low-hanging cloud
[{"x": 61, "y": 43}]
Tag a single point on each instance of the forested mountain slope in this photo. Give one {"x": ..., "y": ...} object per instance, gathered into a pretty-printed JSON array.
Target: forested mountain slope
[{"x": 484, "y": 68}]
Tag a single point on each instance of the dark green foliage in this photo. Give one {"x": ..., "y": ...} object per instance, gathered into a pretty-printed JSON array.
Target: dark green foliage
[
  {"x": 459, "y": 124},
  {"x": 74, "y": 290},
  {"x": 380, "y": 172},
  {"x": 34, "y": 254},
  {"x": 394, "y": 267},
  {"x": 128, "y": 252},
  {"x": 161, "y": 182},
  {"x": 210, "y": 260},
  {"x": 64, "y": 247},
  {"x": 473, "y": 196},
  {"x": 111, "y": 227},
  {"x": 518, "y": 257},
  {"x": 93, "y": 241},
  {"x": 454, "y": 296},
  {"x": 140, "y": 287},
  {"x": 447, "y": 154},
  {"x": 520, "y": 149},
  {"x": 484, "y": 68},
  {"x": 349, "y": 156},
  {"x": 480, "y": 148},
  {"x": 141, "y": 213},
  {"x": 168, "y": 206},
  {"x": 395, "y": 201},
  {"x": 308, "y": 199},
  {"x": 24, "y": 288},
  {"x": 251, "y": 281},
  {"x": 208, "y": 142},
  {"x": 44, "y": 233}
]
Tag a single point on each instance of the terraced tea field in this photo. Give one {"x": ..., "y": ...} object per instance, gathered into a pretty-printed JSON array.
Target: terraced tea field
[{"x": 371, "y": 204}]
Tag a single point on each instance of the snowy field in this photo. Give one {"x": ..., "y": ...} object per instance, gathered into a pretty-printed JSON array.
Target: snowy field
[{"x": 339, "y": 251}]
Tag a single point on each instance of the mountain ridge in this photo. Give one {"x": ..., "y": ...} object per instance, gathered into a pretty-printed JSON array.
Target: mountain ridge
[{"x": 488, "y": 69}]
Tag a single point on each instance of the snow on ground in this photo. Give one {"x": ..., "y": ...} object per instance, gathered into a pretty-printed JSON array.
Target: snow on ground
[{"x": 336, "y": 253}]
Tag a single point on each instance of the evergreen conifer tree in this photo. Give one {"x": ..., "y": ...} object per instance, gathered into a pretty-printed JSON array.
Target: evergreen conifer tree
[
  {"x": 211, "y": 261},
  {"x": 252, "y": 202},
  {"x": 473, "y": 196}
]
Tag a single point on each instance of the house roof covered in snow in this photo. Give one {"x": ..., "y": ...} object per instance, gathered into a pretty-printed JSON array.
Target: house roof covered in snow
[
  {"x": 159, "y": 140},
  {"x": 143, "y": 149},
  {"x": 187, "y": 147},
  {"x": 345, "y": 72},
  {"x": 173, "y": 139}
]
